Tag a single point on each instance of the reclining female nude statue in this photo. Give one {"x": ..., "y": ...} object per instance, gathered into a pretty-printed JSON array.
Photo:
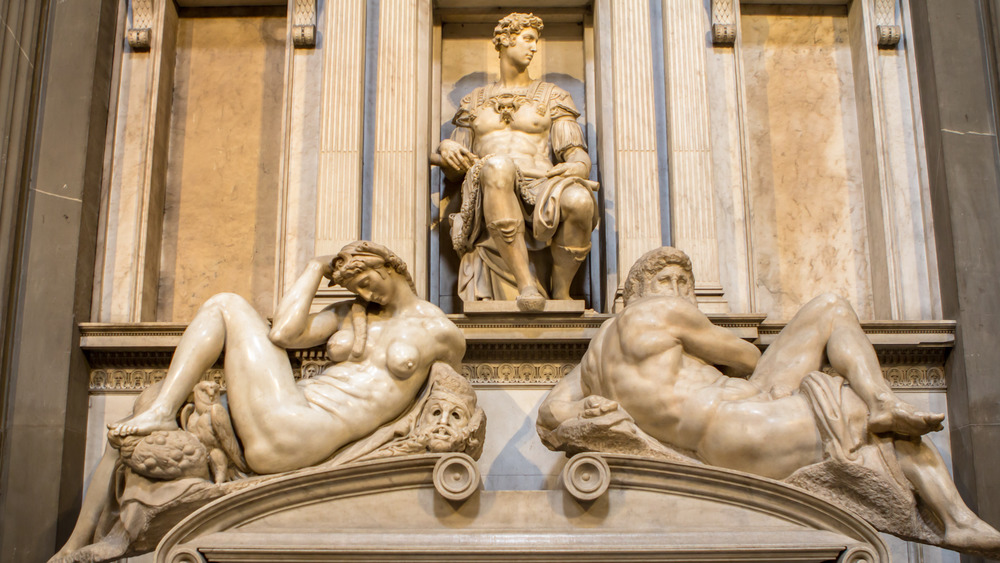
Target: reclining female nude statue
[
  {"x": 661, "y": 378},
  {"x": 383, "y": 346}
]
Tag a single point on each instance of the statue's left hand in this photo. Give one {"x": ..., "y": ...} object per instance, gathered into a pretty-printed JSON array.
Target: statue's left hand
[{"x": 595, "y": 405}]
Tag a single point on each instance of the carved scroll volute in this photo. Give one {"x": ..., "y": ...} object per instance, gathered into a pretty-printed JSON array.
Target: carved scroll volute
[
  {"x": 885, "y": 20},
  {"x": 304, "y": 26},
  {"x": 723, "y": 22},
  {"x": 140, "y": 26}
]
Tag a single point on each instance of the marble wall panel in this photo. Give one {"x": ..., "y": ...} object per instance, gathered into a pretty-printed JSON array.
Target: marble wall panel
[
  {"x": 302, "y": 208},
  {"x": 223, "y": 163},
  {"x": 806, "y": 188},
  {"x": 912, "y": 230},
  {"x": 724, "y": 102}
]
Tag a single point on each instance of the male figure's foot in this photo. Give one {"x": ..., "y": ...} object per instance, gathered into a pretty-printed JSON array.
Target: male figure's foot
[
  {"x": 903, "y": 418},
  {"x": 530, "y": 299},
  {"x": 144, "y": 423},
  {"x": 973, "y": 536}
]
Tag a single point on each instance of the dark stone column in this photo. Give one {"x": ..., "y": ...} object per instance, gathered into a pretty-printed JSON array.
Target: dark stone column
[
  {"x": 951, "y": 42},
  {"x": 46, "y": 376}
]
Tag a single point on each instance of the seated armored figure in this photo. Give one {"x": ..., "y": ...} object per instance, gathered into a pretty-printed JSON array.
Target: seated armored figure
[
  {"x": 701, "y": 389},
  {"x": 524, "y": 161}
]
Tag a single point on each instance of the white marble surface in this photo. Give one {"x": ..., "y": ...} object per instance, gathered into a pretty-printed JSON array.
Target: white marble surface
[
  {"x": 223, "y": 163},
  {"x": 302, "y": 211}
]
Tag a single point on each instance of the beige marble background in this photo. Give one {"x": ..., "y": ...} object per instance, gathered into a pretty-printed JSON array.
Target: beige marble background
[
  {"x": 223, "y": 164},
  {"x": 806, "y": 194}
]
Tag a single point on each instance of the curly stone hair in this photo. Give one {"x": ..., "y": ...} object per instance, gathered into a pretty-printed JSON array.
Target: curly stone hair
[
  {"x": 650, "y": 264},
  {"x": 513, "y": 24},
  {"x": 353, "y": 260},
  {"x": 360, "y": 256}
]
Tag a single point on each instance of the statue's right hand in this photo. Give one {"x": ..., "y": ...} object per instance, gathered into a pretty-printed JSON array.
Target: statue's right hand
[
  {"x": 325, "y": 264},
  {"x": 595, "y": 406},
  {"x": 455, "y": 156}
]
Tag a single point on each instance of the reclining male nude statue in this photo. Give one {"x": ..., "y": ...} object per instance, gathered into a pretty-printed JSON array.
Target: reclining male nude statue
[
  {"x": 506, "y": 135},
  {"x": 383, "y": 346},
  {"x": 691, "y": 385}
]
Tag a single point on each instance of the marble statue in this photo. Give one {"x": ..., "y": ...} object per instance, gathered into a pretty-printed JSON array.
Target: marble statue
[
  {"x": 661, "y": 379},
  {"x": 393, "y": 389},
  {"x": 524, "y": 161}
]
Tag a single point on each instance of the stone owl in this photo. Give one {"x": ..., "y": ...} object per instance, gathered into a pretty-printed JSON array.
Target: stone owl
[{"x": 208, "y": 419}]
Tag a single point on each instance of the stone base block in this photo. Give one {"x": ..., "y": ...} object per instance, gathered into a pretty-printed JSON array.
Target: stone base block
[{"x": 552, "y": 306}]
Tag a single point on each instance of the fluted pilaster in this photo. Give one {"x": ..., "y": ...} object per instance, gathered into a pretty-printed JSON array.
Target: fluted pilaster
[
  {"x": 399, "y": 187},
  {"x": 338, "y": 190},
  {"x": 692, "y": 199},
  {"x": 638, "y": 204}
]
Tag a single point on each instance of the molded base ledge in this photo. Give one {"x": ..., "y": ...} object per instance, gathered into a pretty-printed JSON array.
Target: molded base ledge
[
  {"x": 651, "y": 511},
  {"x": 552, "y": 306}
]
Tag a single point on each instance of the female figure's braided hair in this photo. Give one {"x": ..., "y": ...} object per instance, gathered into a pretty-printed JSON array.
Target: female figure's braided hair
[{"x": 353, "y": 260}]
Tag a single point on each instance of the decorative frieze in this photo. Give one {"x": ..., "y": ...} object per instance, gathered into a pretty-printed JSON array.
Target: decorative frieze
[{"x": 504, "y": 353}]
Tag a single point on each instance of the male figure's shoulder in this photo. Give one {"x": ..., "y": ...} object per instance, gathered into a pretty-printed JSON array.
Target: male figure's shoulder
[
  {"x": 653, "y": 325},
  {"x": 558, "y": 101}
]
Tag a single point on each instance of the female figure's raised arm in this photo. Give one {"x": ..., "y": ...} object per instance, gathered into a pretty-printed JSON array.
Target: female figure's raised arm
[{"x": 293, "y": 326}]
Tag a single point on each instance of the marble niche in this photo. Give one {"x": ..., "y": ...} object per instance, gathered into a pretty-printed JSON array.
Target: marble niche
[{"x": 770, "y": 195}]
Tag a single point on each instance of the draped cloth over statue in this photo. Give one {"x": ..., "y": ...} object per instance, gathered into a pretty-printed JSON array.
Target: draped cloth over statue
[{"x": 483, "y": 274}]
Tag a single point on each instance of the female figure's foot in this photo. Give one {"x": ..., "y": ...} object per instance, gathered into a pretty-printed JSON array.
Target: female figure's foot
[
  {"x": 147, "y": 422},
  {"x": 902, "y": 418}
]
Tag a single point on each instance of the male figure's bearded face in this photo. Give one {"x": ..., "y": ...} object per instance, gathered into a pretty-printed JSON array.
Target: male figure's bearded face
[
  {"x": 443, "y": 424},
  {"x": 672, "y": 281}
]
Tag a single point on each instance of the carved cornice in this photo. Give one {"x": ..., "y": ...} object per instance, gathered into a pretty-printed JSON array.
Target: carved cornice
[{"x": 507, "y": 352}]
